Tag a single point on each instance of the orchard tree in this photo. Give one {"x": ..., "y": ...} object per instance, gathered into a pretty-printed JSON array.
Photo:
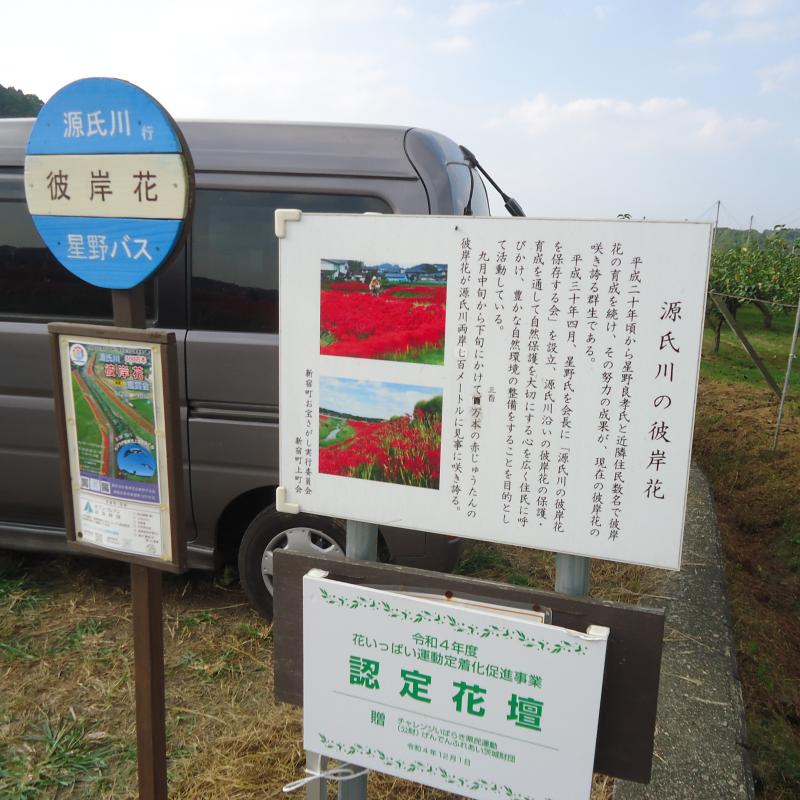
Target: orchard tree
[{"x": 767, "y": 276}]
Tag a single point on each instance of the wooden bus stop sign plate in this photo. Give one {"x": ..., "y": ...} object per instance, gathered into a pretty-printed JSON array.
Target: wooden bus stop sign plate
[{"x": 633, "y": 658}]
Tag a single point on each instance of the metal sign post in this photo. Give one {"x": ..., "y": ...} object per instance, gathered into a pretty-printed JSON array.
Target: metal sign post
[
  {"x": 362, "y": 545},
  {"x": 108, "y": 182},
  {"x": 572, "y": 574}
]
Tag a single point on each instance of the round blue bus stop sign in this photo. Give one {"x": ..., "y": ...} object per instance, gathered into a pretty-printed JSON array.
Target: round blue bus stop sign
[{"x": 108, "y": 181}]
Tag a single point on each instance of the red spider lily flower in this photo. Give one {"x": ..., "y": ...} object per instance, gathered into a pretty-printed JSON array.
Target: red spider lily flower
[
  {"x": 399, "y": 321},
  {"x": 405, "y": 450}
]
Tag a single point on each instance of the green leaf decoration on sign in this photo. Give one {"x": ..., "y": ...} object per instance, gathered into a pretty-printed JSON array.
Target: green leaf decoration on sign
[
  {"x": 419, "y": 767},
  {"x": 449, "y": 621}
]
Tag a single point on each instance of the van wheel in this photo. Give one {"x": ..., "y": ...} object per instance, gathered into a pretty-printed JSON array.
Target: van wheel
[{"x": 271, "y": 531}]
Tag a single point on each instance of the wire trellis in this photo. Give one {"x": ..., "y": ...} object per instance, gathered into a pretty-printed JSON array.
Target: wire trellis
[{"x": 754, "y": 300}]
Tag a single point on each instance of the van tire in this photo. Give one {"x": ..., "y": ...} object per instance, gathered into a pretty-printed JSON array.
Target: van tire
[{"x": 270, "y": 531}]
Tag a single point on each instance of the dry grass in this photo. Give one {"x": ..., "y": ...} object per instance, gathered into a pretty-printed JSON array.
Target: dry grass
[
  {"x": 610, "y": 580},
  {"x": 758, "y": 503},
  {"x": 66, "y": 691}
]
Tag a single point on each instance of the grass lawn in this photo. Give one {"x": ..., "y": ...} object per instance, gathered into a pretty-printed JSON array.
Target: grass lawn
[
  {"x": 732, "y": 362},
  {"x": 143, "y": 407}
]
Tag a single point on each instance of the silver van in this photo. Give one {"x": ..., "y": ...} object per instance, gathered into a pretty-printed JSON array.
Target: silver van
[{"x": 220, "y": 296}]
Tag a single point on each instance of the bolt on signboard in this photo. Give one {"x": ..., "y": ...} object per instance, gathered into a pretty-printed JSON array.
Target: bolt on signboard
[
  {"x": 109, "y": 185},
  {"x": 485, "y": 702},
  {"x": 523, "y": 381}
]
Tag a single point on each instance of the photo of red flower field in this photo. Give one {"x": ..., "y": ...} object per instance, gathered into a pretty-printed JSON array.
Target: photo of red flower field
[
  {"x": 386, "y": 311},
  {"x": 402, "y": 447}
]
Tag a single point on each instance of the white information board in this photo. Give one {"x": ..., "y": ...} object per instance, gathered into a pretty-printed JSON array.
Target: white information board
[
  {"x": 523, "y": 381},
  {"x": 470, "y": 701}
]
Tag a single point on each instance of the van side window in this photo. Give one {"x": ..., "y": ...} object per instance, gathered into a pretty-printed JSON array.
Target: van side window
[
  {"x": 234, "y": 253},
  {"x": 34, "y": 284}
]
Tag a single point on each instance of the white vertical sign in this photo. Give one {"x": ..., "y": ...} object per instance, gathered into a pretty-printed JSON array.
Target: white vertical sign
[{"x": 478, "y": 703}]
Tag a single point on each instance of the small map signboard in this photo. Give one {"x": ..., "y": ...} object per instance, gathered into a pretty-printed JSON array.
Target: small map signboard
[
  {"x": 108, "y": 181},
  {"x": 122, "y": 489},
  {"x": 524, "y": 381},
  {"x": 476, "y": 702}
]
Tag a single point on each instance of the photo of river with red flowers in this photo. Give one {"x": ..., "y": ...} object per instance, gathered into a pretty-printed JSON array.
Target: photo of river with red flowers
[
  {"x": 379, "y": 431},
  {"x": 385, "y": 311}
]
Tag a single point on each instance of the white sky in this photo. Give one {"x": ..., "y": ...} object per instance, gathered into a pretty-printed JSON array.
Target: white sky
[{"x": 576, "y": 108}]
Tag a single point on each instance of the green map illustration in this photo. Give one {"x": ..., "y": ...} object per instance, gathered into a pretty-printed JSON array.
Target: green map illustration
[{"x": 112, "y": 392}]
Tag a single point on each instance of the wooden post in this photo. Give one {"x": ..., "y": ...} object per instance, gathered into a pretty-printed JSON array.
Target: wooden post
[
  {"x": 148, "y": 624},
  {"x": 148, "y": 646},
  {"x": 129, "y": 307}
]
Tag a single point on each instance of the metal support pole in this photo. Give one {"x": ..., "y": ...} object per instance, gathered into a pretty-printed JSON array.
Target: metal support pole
[
  {"x": 792, "y": 356},
  {"x": 316, "y": 790},
  {"x": 362, "y": 545},
  {"x": 572, "y": 574},
  {"x": 362, "y": 541}
]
